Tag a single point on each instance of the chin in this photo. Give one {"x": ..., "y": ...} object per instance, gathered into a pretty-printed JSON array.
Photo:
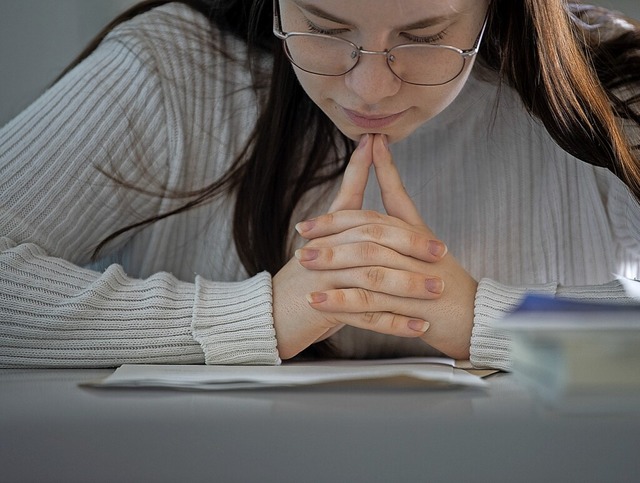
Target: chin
[
  {"x": 393, "y": 135},
  {"x": 395, "y": 132}
]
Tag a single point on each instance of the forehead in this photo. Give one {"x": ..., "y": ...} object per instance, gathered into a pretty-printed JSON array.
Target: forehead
[
  {"x": 386, "y": 11},
  {"x": 387, "y": 15}
]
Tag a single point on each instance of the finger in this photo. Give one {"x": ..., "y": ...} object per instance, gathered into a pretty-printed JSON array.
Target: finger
[
  {"x": 377, "y": 321},
  {"x": 401, "y": 283},
  {"x": 354, "y": 180},
  {"x": 387, "y": 323},
  {"x": 358, "y": 301},
  {"x": 361, "y": 248},
  {"x": 351, "y": 226},
  {"x": 395, "y": 198},
  {"x": 342, "y": 220}
]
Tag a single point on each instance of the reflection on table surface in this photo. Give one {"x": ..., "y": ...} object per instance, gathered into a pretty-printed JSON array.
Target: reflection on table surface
[{"x": 53, "y": 429}]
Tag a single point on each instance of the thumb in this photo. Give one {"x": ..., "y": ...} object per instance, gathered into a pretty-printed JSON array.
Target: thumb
[
  {"x": 354, "y": 181},
  {"x": 395, "y": 198}
]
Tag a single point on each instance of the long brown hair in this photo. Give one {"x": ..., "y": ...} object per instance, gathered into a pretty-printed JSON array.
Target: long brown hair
[
  {"x": 579, "y": 82},
  {"x": 580, "y": 88},
  {"x": 267, "y": 176}
]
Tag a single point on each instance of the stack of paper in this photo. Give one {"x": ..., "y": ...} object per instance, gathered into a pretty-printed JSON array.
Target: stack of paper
[
  {"x": 428, "y": 372},
  {"x": 577, "y": 354}
]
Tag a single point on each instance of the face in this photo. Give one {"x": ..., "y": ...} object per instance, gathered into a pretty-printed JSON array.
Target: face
[{"x": 370, "y": 98}]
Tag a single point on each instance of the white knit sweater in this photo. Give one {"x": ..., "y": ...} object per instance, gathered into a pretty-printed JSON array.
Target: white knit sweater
[{"x": 157, "y": 102}]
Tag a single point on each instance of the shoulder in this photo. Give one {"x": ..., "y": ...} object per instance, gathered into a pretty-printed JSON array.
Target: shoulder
[
  {"x": 185, "y": 53},
  {"x": 176, "y": 33},
  {"x": 170, "y": 20},
  {"x": 206, "y": 87}
]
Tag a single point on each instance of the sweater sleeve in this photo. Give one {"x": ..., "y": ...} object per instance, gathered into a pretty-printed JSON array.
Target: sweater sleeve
[
  {"x": 56, "y": 314},
  {"x": 108, "y": 115},
  {"x": 489, "y": 347}
]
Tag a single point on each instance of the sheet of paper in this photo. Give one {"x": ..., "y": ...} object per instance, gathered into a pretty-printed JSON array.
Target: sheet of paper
[
  {"x": 375, "y": 373},
  {"x": 457, "y": 363}
]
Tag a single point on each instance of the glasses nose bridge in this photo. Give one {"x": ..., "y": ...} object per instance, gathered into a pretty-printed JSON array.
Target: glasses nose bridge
[
  {"x": 373, "y": 52},
  {"x": 360, "y": 52}
]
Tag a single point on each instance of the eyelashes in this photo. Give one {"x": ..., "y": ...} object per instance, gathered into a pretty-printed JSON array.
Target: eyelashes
[
  {"x": 313, "y": 28},
  {"x": 431, "y": 39}
]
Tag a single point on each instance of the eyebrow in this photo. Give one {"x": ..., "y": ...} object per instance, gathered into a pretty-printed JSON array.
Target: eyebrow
[{"x": 420, "y": 24}]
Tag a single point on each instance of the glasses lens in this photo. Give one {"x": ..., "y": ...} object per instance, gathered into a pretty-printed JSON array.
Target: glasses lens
[
  {"x": 416, "y": 64},
  {"x": 426, "y": 64},
  {"x": 321, "y": 55}
]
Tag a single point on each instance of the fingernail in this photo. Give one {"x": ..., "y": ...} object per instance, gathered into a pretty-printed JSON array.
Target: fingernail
[
  {"x": 316, "y": 297},
  {"x": 434, "y": 285},
  {"x": 305, "y": 226},
  {"x": 418, "y": 325},
  {"x": 306, "y": 254},
  {"x": 385, "y": 141},
  {"x": 437, "y": 248},
  {"x": 363, "y": 141}
]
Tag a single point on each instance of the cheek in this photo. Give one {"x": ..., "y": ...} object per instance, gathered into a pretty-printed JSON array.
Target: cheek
[
  {"x": 317, "y": 87},
  {"x": 436, "y": 99}
]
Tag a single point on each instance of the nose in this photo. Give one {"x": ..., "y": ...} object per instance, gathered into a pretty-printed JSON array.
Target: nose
[{"x": 372, "y": 80}]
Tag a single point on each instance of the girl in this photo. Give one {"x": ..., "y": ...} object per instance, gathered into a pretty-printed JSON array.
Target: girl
[{"x": 196, "y": 187}]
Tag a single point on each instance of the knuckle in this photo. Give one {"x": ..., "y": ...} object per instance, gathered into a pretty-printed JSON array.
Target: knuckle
[
  {"x": 356, "y": 195},
  {"x": 383, "y": 322},
  {"x": 375, "y": 277},
  {"x": 340, "y": 298},
  {"x": 371, "y": 318},
  {"x": 326, "y": 219},
  {"x": 365, "y": 297},
  {"x": 369, "y": 251},
  {"x": 373, "y": 216},
  {"x": 416, "y": 242},
  {"x": 414, "y": 284},
  {"x": 329, "y": 254},
  {"x": 393, "y": 323},
  {"x": 374, "y": 231}
]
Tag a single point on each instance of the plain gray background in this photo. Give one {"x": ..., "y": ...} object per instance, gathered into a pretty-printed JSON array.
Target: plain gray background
[{"x": 39, "y": 37}]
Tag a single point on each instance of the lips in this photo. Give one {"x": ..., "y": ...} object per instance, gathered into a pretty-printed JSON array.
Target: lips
[{"x": 369, "y": 121}]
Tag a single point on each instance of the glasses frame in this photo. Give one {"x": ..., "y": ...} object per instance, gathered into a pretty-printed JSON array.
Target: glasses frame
[{"x": 464, "y": 53}]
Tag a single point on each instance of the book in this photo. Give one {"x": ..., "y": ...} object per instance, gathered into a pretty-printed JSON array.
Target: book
[{"x": 576, "y": 354}]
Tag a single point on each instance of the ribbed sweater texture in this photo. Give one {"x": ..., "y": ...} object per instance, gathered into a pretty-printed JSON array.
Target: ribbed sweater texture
[{"x": 157, "y": 105}]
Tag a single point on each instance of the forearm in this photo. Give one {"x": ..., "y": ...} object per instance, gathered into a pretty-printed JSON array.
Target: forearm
[
  {"x": 490, "y": 348},
  {"x": 55, "y": 314}
]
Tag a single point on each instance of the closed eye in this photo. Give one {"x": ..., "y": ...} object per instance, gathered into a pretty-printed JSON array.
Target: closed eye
[
  {"x": 316, "y": 29},
  {"x": 431, "y": 39}
]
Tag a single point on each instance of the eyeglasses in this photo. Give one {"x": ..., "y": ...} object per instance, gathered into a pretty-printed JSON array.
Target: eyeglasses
[{"x": 419, "y": 64}]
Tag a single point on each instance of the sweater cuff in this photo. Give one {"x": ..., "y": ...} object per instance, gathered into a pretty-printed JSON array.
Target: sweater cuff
[
  {"x": 491, "y": 348},
  {"x": 233, "y": 321}
]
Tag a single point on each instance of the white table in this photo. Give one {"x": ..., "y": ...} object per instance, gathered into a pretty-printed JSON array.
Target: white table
[{"x": 51, "y": 429}]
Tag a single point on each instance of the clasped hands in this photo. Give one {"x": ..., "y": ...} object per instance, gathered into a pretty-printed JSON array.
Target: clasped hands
[{"x": 382, "y": 272}]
